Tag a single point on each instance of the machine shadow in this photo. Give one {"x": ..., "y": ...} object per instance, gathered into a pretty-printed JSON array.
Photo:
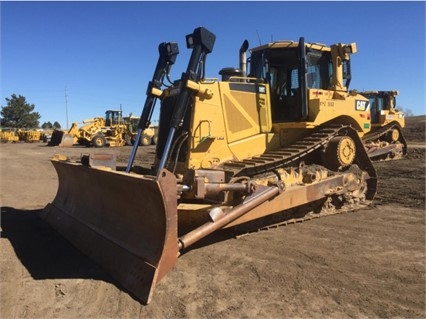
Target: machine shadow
[
  {"x": 42, "y": 251},
  {"x": 47, "y": 255}
]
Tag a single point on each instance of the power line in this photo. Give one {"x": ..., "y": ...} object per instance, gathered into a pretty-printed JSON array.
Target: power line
[{"x": 66, "y": 105}]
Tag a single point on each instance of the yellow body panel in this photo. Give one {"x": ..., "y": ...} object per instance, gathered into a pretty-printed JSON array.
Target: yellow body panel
[
  {"x": 387, "y": 117},
  {"x": 218, "y": 137},
  {"x": 328, "y": 107}
]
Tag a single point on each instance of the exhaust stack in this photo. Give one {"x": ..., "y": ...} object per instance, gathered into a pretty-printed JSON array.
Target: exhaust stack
[{"x": 243, "y": 58}]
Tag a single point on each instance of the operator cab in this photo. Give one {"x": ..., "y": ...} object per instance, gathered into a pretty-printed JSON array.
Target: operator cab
[
  {"x": 113, "y": 118},
  {"x": 291, "y": 69},
  {"x": 380, "y": 101}
]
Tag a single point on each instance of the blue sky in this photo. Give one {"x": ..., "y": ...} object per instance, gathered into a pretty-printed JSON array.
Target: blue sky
[{"x": 104, "y": 53}]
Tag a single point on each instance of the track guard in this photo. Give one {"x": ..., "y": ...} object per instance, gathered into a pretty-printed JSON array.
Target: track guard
[{"x": 124, "y": 222}]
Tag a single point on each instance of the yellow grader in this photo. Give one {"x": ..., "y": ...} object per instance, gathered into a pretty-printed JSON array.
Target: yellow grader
[
  {"x": 276, "y": 139},
  {"x": 385, "y": 140},
  {"x": 98, "y": 132}
]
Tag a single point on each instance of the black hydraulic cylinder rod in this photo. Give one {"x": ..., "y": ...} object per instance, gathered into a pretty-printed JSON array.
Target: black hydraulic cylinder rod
[
  {"x": 348, "y": 74},
  {"x": 201, "y": 41},
  {"x": 303, "y": 80},
  {"x": 190, "y": 74},
  {"x": 168, "y": 52}
]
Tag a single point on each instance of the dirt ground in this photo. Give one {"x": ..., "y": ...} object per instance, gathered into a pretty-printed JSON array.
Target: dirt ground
[{"x": 364, "y": 264}]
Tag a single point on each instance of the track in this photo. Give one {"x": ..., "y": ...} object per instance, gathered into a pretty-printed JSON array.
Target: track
[
  {"x": 299, "y": 151},
  {"x": 379, "y": 146},
  {"x": 297, "y": 215},
  {"x": 295, "y": 154}
]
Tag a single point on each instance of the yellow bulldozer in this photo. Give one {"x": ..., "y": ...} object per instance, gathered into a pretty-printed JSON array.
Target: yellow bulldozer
[
  {"x": 98, "y": 132},
  {"x": 278, "y": 138},
  {"x": 385, "y": 140}
]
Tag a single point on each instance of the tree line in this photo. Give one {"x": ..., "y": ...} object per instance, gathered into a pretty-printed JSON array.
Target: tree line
[{"x": 18, "y": 113}]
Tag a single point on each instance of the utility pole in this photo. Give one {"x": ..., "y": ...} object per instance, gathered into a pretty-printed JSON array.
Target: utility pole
[{"x": 66, "y": 105}]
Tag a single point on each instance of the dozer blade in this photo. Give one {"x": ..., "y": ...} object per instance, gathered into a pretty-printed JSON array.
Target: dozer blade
[{"x": 126, "y": 223}]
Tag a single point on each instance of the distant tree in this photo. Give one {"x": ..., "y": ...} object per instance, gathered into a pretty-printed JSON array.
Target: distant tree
[
  {"x": 46, "y": 125},
  {"x": 56, "y": 125},
  {"x": 18, "y": 113},
  {"x": 406, "y": 111}
]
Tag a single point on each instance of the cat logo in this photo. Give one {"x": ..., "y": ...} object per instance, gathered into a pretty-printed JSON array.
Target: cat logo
[{"x": 361, "y": 105}]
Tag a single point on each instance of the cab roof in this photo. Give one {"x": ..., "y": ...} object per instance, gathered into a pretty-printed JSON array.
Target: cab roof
[{"x": 282, "y": 44}]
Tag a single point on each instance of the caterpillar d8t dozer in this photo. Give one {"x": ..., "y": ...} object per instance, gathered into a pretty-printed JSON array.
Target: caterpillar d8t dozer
[
  {"x": 385, "y": 140},
  {"x": 250, "y": 150}
]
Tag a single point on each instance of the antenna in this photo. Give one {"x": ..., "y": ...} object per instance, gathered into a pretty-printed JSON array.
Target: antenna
[
  {"x": 258, "y": 36},
  {"x": 66, "y": 105}
]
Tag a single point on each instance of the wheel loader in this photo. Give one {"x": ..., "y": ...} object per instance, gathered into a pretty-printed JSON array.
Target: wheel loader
[
  {"x": 385, "y": 140},
  {"x": 98, "y": 132},
  {"x": 276, "y": 139}
]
